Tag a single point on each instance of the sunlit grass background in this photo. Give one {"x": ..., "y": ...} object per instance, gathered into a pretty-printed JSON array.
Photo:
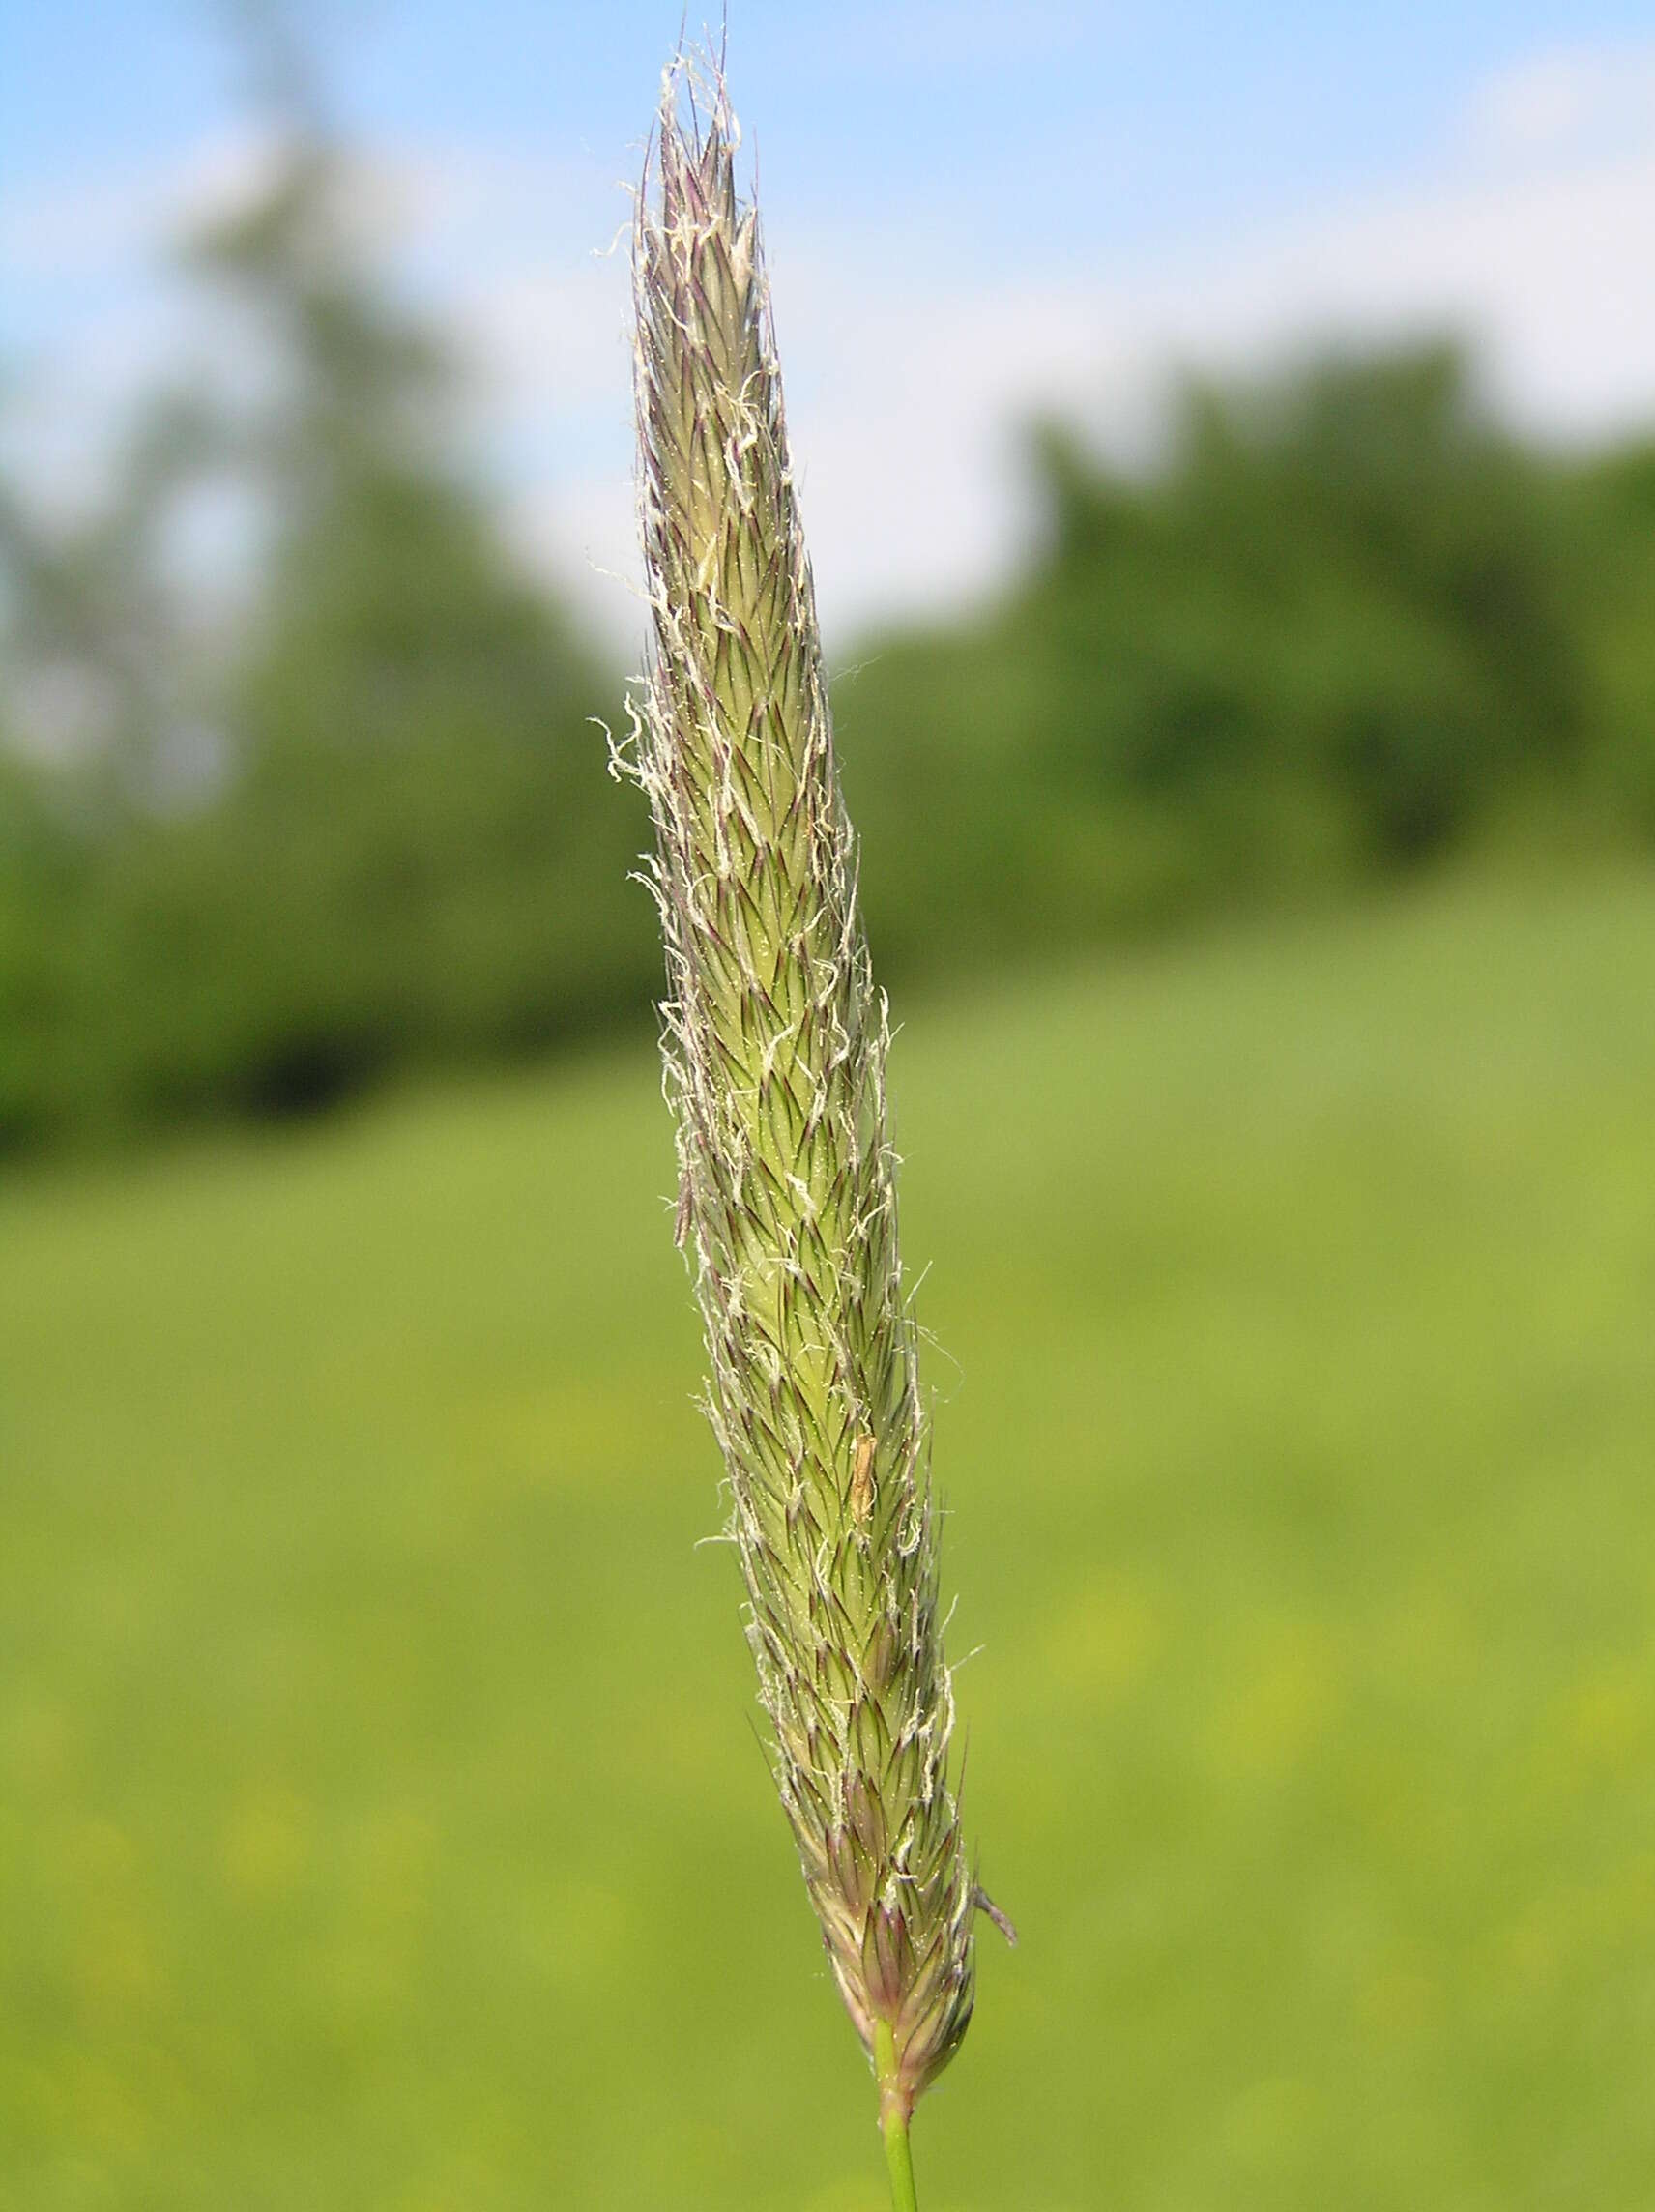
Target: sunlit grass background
[{"x": 381, "y": 1816}]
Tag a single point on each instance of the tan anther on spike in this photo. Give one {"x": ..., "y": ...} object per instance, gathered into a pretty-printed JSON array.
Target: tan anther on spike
[{"x": 862, "y": 1481}]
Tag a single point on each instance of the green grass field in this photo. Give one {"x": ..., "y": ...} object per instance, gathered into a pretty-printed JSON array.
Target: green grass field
[{"x": 382, "y": 1817}]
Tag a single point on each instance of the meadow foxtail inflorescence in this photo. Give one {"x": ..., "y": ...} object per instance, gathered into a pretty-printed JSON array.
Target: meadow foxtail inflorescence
[{"x": 775, "y": 1042}]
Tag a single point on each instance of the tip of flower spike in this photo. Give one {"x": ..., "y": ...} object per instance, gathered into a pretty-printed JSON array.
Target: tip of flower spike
[{"x": 694, "y": 108}]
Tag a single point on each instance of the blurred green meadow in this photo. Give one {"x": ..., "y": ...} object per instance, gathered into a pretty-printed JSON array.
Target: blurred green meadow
[{"x": 383, "y": 1819}]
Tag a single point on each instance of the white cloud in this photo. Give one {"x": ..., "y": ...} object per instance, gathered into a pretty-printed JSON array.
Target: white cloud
[
  {"x": 548, "y": 338},
  {"x": 1548, "y": 273},
  {"x": 1571, "y": 99},
  {"x": 99, "y": 225}
]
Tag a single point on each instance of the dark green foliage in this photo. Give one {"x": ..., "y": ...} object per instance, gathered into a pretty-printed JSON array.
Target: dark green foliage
[
  {"x": 42, "y": 884},
  {"x": 1349, "y": 627},
  {"x": 422, "y": 860},
  {"x": 1610, "y": 516}
]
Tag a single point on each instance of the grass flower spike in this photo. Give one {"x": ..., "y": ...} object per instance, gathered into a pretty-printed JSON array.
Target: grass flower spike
[{"x": 774, "y": 1041}]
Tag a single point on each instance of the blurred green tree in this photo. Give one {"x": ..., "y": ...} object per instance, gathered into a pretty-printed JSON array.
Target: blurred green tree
[
  {"x": 420, "y": 856},
  {"x": 371, "y": 825},
  {"x": 1348, "y": 625}
]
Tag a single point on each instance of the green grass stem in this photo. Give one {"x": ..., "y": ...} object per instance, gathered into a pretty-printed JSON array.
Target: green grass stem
[{"x": 893, "y": 2122}]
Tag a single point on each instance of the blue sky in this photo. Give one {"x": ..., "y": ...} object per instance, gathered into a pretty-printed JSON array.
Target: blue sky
[{"x": 972, "y": 210}]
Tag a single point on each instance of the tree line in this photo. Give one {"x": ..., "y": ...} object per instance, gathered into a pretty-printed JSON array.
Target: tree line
[{"x": 1348, "y": 626}]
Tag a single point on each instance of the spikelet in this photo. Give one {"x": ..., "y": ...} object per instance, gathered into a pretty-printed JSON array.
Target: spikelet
[{"x": 774, "y": 1043}]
